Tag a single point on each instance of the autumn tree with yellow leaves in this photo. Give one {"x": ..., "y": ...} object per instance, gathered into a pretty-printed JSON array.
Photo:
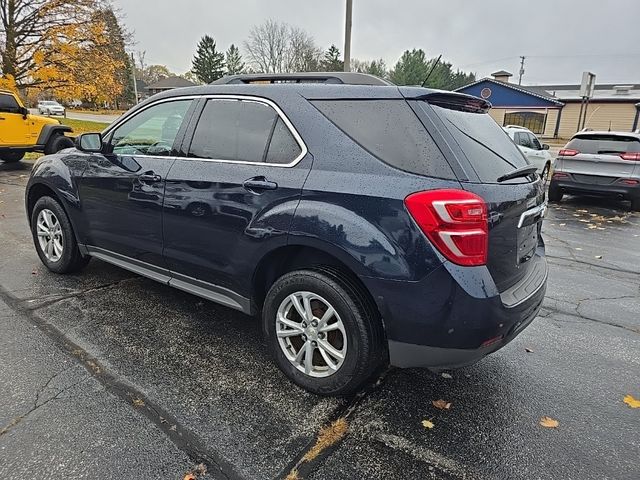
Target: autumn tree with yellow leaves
[{"x": 74, "y": 48}]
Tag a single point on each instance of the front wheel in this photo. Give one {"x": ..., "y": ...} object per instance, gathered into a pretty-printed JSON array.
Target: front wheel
[
  {"x": 323, "y": 331},
  {"x": 57, "y": 143},
  {"x": 54, "y": 239}
]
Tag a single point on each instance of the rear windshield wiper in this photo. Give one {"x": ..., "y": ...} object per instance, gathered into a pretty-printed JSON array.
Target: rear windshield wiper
[{"x": 518, "y": 172}]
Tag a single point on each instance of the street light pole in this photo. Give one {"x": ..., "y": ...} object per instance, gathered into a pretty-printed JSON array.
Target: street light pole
[{"x": 347, "y": 36}]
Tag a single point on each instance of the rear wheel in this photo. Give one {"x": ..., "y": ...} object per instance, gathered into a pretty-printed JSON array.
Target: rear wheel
[
  {"x": 11, "y": 157},
  {"x": 323, "y": 331},
  {"x": 635, "y": 204},
  {"x": 57, "y": 143},
  {"x": 555, "y": 195},
  {"x": 54, "y": 239},
  {"x": 545, "y": 173}
]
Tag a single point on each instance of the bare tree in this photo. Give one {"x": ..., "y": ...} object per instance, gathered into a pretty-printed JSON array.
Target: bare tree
[
  {"x": 275, "y": 47},
  {"x": 25, "y": 25}
]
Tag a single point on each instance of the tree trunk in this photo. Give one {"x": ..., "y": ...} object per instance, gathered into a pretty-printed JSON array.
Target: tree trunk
[{"x": 9, "y": 52}]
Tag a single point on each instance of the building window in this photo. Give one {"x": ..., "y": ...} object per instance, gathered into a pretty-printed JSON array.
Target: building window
[{"x": 534, "y": 121}]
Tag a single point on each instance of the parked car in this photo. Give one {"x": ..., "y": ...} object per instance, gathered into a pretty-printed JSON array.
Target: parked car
[
  {"x": 51, "y": 107},
  {"x": 537, "y": 153},
  {"x": 599, "y": 163},
  {"x": 365, "y": 224},
  {"x": 21, "y": 132}
]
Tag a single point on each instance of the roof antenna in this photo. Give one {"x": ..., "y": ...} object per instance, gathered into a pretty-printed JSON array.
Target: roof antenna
[{"x": 432, "y": 69}]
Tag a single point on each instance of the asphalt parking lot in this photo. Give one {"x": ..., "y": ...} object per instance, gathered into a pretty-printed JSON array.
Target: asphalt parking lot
[{"x": 110, "y": 375}]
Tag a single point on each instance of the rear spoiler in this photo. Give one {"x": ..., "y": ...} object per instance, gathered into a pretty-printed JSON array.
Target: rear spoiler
[{"x": 450, "y": 100}]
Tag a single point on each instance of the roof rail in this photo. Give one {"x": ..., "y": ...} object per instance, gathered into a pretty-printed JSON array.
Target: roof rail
[
  {"x": 519, "y": 127},
  {"x": 339, "y": 78}
]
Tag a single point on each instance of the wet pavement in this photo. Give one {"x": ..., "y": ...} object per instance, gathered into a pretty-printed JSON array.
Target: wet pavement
[{"x": 109, "y": 375}]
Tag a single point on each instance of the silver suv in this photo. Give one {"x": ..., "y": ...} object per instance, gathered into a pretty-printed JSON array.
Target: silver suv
[{"x": 599, "y": 163}]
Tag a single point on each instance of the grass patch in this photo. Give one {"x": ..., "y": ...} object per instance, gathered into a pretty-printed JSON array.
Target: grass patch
[{"x": 83, "y": 126}]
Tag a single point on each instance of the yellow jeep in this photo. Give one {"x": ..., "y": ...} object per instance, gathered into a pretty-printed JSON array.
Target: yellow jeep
[{"x": 21, "y": 132}]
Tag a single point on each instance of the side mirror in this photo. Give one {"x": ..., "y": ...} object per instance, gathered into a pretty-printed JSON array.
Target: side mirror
[
  {"x": 89, "y": 142},
  {"x": 24, "y": 112},
  {"x": 545, "y": 146}
]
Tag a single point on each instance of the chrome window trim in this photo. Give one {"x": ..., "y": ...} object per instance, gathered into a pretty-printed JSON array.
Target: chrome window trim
[{"x": 245, "y": 98}]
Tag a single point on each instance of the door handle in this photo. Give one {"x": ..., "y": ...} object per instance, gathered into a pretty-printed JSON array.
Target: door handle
[
  {"x": 149, "y": 177},
  {"x": 259, "y": 183}
]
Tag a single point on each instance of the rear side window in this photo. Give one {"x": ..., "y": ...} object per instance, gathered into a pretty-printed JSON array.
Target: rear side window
[
  {"x": 389, "y": 130},
  {"x": 283, "y": 148},
  {"x": 486, "y": 145},
  {"x": 8, "y": 103},
  {"x": 604, "y": 144},
  {"x": 245, "y": 131}
]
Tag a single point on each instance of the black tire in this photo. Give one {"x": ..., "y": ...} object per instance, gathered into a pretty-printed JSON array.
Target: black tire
[
  {"x": 635, "y": 204},
  {"x": 545, "y": 173},
  {"x": 11, "y": 157},
  {"x": 71, "y": 260},
  {"x": 365, "y": 351},
  {"x": 56, "y": 143},
  {"x": 555, "y": 194}
]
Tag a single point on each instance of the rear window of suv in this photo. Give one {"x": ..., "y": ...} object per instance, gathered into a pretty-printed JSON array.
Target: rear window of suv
[
  {"x": 604, "y": 144},
  {"x": 486, "y": 145},
  {"x": 389, "y": 130}
]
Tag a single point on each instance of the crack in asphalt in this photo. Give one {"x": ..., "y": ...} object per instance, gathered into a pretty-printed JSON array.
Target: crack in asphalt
[
  {"x": 577, "y": 315},
  {"x": 74, "y": 293},
  {"x": 591, "y": 264},
  {"x": 181, "y": 437},
  {"x": 36, "y": 402},
  {"x": 299, "y": 467}
]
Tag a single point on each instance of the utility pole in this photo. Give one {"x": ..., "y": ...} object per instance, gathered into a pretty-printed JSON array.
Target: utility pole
[
  {"x": 347, "y": 36},
  {"x": 521, "y": 70},
  {"x": 133, "y": 75}
]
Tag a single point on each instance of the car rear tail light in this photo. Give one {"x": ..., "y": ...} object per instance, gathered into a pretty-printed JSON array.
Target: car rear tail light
[
  {"x": 560, "y": 175},
  {"x": 630, "y": 156},
  {"x": 491, "y": 341},
  {"x": 455, "y": 221},
  {"x": 568, "y": 152},
  {"x": 629, "y": 181}
]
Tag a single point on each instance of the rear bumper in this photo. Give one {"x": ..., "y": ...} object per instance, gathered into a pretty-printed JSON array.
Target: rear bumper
[
  {"x": 455, "y": 316},
  {"x": 609, "y": 190}
]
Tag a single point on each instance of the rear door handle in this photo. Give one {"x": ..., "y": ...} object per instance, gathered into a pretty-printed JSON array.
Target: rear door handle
[
  {"x": 149, "y": 177},
  {"x": 259, "y": 183}
]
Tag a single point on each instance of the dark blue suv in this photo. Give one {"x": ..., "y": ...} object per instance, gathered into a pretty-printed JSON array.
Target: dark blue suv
[{"x": 367, "y": 224}]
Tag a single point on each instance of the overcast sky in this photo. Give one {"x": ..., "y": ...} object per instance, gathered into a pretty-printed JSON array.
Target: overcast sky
[{"x": 560, "y": 38}]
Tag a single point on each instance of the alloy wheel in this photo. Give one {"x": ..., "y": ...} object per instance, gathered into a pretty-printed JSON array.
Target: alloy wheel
[
  {"x": 311, "y": 334},
  {"x": 49, "y": 233}
]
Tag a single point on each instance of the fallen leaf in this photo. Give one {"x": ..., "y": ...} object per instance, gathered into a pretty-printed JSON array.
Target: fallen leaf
[
  {"x": 578, "y": 248},
  {"x": 189, "y": 476},
  {"x": 428, "y": 424},
  {"x": 446, "y": 375},
  {"x": 137, "y": 402},
  {"x": 583, "y": 211},
  {"x": 34, "y": 272},
  {"x": 528, "y": 350},
  {"x": 632, "y": 402},
  {"x": 441, "y": 404},
  {"x": 549, "y": 422},
  {"x": 562, "y": 224},
  {"x": 598, "y": 257},
  {"x": 592, "y": 226}
]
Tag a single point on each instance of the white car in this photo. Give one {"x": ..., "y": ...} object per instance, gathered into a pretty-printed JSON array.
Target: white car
[
  {"x": 537, "y": 153},
  {"x": 50, "y": 107}
]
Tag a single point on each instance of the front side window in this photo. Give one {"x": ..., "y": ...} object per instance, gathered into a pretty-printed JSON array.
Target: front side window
[
  {"x": 243, "y": 130},
  {"x": 151, "y": 132},
  {"x": 535, "y": 142},
  {"x": 8, "y": 104}
]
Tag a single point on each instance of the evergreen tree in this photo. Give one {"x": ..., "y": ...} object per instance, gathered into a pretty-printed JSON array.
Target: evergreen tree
[
  {"x": 413, "y": 68},
  {"x": 117, "y": 40},
  {"x": 331, "y": 61},
  {"x": 208, "y": 63},
  {"x": 234, "y": 61}
]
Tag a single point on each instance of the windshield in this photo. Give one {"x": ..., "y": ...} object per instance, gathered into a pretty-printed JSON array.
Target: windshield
[{"x": 486, "y": 145}]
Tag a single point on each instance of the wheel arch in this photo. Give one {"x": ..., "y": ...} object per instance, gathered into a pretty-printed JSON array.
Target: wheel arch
[
  {"x": 49, "y": 131},
  {"x": 292, "y": 257}
]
